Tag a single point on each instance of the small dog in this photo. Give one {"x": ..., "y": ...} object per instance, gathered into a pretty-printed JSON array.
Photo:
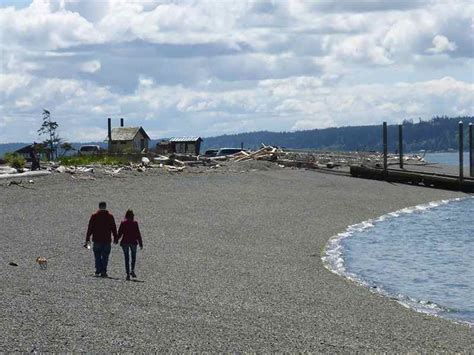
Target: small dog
[{"x": 42, "y": 262}]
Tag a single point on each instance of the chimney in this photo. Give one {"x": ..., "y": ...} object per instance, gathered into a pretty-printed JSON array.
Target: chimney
[
  {"x": 109, "y": 122},
  {"x": 121, "y": 122}
]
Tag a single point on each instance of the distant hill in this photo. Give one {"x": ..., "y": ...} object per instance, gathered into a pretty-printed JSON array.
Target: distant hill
[{"x": 437, "y": 134}]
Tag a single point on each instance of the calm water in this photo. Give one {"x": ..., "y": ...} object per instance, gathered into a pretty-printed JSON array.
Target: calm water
[
  {"x": 447, "y": 158},
  {"x": 421, "y": 256}
]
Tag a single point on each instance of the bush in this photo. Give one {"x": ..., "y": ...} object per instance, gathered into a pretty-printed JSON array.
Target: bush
[{"x": 15, "y": 160}]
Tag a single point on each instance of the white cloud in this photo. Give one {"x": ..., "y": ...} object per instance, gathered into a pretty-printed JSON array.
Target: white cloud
[
  {"x": 9, "y": 83},
  {"x": 320, "y": 121},
  {"x": 202, "y": 67},
  {"x": 39, "y": 26},
  {"x": 86, "y": 134},
  {"x": 441, "y": 44},
  {"x": 90, "y": 66},
  {"x": 144, "y": 81},
  {"x": 361, "y": 48},
  {"x": 292, "y": 103}
]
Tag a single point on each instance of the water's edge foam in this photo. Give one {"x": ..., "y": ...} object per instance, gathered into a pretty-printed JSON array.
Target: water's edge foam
[{"x": 333, "y": 260}]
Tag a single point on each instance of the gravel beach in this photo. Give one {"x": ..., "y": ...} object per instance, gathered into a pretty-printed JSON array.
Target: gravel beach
[{"x": 231, "y": 262}]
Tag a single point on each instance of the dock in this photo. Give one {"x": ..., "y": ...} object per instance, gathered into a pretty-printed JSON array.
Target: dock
[{"x": 440, "y": 181}]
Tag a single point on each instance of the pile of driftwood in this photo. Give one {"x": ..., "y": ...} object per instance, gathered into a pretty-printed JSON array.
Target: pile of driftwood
[
  {"x": 265, "y": 153},
  {"x": 177, "y": 163},
  {"x": 278, "y": 155},
  {"x": 85, "y": 172},
  {"x": 320, "y": 159},
  {"x": 72, "y": 169},
  {"x": 285, "y": 158}
]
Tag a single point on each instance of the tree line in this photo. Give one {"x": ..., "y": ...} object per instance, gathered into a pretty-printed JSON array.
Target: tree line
[{"x": 436, "y": 134}]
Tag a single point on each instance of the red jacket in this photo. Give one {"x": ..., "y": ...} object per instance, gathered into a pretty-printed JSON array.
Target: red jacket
[
  {"x": 101, "y": 226},
  {"x": 130, "y": 232}
]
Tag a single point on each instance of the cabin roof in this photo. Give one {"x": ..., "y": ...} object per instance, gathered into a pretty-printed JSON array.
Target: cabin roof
[{"x": 27, "y": 149}]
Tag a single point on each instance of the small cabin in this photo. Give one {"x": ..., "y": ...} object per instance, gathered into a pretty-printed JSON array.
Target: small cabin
[
  {"x": 128, "y": 139},
  {"x": 186, "y": 145},
  {"x": 39, "y": 149}
]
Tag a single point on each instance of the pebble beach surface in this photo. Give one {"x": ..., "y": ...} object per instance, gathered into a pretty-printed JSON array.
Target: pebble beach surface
[{"x": 231, "y": 262}]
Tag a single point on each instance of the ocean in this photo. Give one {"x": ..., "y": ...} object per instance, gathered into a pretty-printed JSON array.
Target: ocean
[
  {"x": 447, "y": 158},
  {"x": 421, "y": 256}
]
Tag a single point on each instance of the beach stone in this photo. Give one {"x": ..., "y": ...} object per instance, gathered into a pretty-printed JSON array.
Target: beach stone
[{"x": 61, "y": 169}]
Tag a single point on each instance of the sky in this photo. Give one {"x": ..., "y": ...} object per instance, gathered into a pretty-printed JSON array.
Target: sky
[{"x": 207, "y": 68}]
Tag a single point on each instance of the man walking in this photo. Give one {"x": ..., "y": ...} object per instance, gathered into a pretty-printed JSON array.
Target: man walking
[{"x": 101, "y": 226}]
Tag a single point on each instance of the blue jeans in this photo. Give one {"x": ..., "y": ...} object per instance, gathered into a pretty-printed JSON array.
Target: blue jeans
[
  {"x": 126, "y": 253},
  {"x": 101, "y": 254}
]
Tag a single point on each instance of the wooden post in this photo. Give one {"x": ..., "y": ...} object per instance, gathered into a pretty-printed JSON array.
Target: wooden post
[
  {"x": 461, "y": 151},
  {"x": 385, "y": 164},
  {"x": 109, "y": 134},
  {"x": 400, "y": 144},
  {"x": 471, "y": 151},
  {"x": 242, "y": 145}
]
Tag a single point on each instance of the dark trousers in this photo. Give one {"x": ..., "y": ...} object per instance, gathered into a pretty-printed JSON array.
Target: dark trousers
[
  {"x": 35, "y": 165},
  {"x": 127, "y": 248},
  {"x": 101, "y": 254}
]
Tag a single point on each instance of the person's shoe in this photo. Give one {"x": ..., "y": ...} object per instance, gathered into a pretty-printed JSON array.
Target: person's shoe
[
  {"x": 97, "y": 274},
  {"x": 128, "y": 278},
  {"x": 104, "y": 274},
  {"x": 133, "y": 274}
]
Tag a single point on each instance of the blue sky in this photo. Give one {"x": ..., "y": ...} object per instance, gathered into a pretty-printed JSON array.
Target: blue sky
[{"x": 218, "y": 67}]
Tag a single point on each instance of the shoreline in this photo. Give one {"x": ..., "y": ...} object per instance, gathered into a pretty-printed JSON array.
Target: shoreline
[
  {"x": 333, "y": 260},
  {"x": 231, "y": 262}
]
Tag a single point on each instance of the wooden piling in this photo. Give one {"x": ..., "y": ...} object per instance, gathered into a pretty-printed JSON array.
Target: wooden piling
[
  {"x": 471, "y": 151},
  {"x": 109, "y": 134},
  {"x": 400, "y": 144},
  {"x": 461, "y": 151},
  {"x": 385, "y": 164}
]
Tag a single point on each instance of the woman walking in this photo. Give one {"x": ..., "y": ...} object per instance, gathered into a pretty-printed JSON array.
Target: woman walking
[{"x": 131, "y": 238}]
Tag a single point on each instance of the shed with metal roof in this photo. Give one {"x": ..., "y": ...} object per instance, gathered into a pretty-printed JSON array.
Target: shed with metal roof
[{"x": 186, "y": 145}]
